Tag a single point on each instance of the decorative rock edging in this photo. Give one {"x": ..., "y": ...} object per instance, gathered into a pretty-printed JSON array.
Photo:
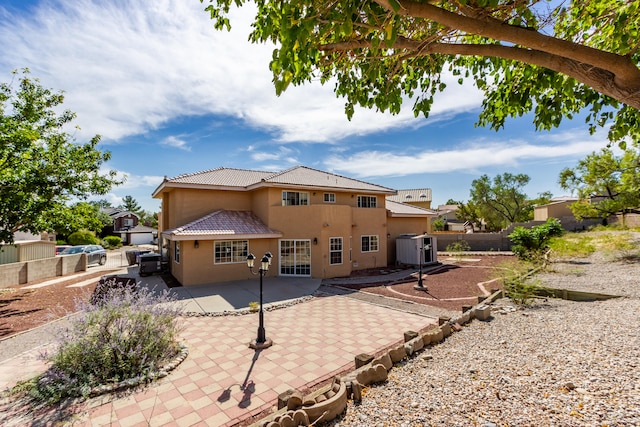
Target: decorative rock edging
[
  {"x": 330, "y": 401},
  {"x": 247, "y": 310},
  {"x": 142, "y": 379}
]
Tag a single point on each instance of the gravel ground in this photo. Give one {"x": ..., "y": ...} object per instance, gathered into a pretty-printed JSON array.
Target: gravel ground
[{"x": 554, "y": 363}]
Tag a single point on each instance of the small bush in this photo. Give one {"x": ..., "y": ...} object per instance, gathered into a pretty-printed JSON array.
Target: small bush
[
  {"x": 530, "y": 243},
  {"x": 127, "y": 334},
  {"x": 61, "y": 242},
  {"x": 438, "y": 224},
  {"x": 458, "y": 246},
  {"x": 112, "y": 242},
  {"x": 83, "y": 237}
]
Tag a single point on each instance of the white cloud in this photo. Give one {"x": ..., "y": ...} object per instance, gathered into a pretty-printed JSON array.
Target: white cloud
[
  {"x": 174, "y": 141},
  {"x": 129, "y": 66},
  {"x": 468, "y": 157}
]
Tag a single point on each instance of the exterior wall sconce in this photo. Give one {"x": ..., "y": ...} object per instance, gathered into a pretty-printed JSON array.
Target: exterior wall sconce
[
  {"x": 261, "y": 340},
  {"x": 315, "y": 240},
  {"x": 196, "y": 244}
]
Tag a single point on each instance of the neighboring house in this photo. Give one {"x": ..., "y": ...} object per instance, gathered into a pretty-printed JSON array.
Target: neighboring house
[
  {"x": 448, "y": 213},
  {"x": 315, "y": 223},
  {"x": 420, "y": 197},
  {"x": 556, "y": 208},
  {"x": 122, "y": 219},
  {"x": 138, "y": 235}
]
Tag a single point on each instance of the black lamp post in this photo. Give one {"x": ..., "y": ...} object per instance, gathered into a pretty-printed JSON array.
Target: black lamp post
[
  {"x": 261, "y": 341},
  {"x": 420, "y": 286}
]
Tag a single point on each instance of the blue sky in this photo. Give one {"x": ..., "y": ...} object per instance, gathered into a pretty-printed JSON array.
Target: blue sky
[{"x": 171, "y": 95}]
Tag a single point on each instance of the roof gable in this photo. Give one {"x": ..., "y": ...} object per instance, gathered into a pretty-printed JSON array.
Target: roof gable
[{"x": 404, "y": 209}]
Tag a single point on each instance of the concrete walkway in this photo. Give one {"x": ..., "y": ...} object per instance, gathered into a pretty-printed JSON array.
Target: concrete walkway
[{"x": 223, "y": 382}]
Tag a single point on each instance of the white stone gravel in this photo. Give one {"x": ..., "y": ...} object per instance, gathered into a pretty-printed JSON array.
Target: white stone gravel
[{"x": 555, "y": 363}]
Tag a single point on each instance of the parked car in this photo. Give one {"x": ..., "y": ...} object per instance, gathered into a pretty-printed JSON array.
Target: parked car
[
  {"x": 95, "y": 253},
  {"x": 60, "y": 248}
]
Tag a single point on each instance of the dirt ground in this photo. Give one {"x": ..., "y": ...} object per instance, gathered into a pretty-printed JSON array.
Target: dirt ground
[
  {"x": 456, "y": 282},
  {"x": 450, "y": 285}
]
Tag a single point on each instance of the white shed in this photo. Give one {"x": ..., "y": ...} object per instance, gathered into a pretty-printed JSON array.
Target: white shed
[{"x": 410, "y": 247}]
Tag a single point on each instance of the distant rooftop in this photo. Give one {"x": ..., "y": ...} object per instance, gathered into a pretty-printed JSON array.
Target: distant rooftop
[{"x": 409, "y": 196}]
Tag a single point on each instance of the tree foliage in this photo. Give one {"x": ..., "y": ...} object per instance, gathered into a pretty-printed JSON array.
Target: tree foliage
[
  {"x": 605, "y": 184},
  {"x": 549, "y": 58},
  {"x": 41, "y": 166},
  {"x": 500, "y": 202},
  {"x": 130, "y": 204},
  {"x": 80, "y": 216}
]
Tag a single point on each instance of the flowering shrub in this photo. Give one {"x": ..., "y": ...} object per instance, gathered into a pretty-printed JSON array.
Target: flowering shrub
[{"x": 128, "y": 333}]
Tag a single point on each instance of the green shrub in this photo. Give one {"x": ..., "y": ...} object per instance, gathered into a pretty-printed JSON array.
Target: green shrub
[
  {"x": 530, "y": 244},
  {"x": 112, "y": 242},
  {"x": 83, "y": 237},
  {"x": 127, "y": 334},
  {"x": 61, "y": 242},
  {"x": 438, "y": 224}
]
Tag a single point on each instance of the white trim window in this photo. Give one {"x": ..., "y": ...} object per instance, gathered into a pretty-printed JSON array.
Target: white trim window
[
  {"x": 295, "y": 198},
  {"x": 367, "y": 202},
  {"x": 128, "y": 222},
  {"x": 335, "y": 250},
  {"x": 369, "y": 243},
  {"x": 230, "y": 251},
  {"x": 329, "y": 197},
  {"x": 176, "y": 252}
]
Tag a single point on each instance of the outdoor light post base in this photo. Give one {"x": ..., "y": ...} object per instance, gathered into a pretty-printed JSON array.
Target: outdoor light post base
[
  {"x": 420, "y": 288},
  {"x": 261, "y": 345}
]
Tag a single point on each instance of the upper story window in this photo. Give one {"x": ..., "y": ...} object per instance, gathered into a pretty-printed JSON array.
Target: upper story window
[
  {"x": 231, "y": 251},
  {"x": 367, "y": 202},
  {"x": 329, "y": 197},
  {"x": 294, "y": 198},
  {"x": 369, "y": 244},
  {"x": 128, "y": 222},
  {"x": 176, "y": 252}
]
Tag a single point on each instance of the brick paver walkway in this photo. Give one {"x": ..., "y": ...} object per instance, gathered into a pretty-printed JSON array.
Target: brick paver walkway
[{"x": 223, "y": 381}]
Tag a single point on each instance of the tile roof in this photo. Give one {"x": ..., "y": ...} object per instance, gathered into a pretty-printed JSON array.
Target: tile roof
[
  {"x": 408, "y": 196},
  {"x": 224, "y": 223},
  {"x": 401, "y": 209},
  {"x": 247, "y": 179}
]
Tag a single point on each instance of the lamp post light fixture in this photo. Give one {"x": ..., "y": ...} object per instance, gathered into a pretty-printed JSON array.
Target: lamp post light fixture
[
  {"x": 261, "y": 340},
  {"x": 420, "y": 286}
]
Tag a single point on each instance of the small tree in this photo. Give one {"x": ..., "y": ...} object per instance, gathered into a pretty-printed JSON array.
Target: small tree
[
  {"x": 41, "y": 167},
  {"x": 606, "y": 184},
  {"x": 438, "y": 224}
]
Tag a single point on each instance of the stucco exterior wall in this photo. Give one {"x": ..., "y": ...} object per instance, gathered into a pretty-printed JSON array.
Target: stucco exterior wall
[{"x": 188, "y": 205}]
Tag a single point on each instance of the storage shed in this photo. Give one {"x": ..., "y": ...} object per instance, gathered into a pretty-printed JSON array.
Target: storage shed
[{"x": 410, "y": 247}]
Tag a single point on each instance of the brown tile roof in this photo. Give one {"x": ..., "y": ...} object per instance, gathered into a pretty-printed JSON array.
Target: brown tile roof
[
  {"x": 299, "y": 176},
  {"x": 224, "y": 224}
]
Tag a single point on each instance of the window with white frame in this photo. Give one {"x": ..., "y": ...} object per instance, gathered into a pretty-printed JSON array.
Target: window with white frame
[
  {"x": 176, "y": 252},
  {"x": 329, "y": 197},
  {"x": 335, "y": 250},
  {"x": 231, "y": 251},
  {"x": 295, "y": 198},
  {"x": 369, "y": 243},
  {"x": 128, "y": 222},
  {"x": 367, "y": 202}
]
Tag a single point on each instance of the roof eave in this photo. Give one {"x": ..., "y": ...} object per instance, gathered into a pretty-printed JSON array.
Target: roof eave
[{"x": 216, "y": 236}]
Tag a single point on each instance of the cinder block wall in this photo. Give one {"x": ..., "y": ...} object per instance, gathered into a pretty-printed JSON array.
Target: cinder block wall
[{"x": 19, "y": 273}]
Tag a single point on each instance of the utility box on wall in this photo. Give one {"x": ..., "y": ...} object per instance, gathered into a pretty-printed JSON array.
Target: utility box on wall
[{"x": 410, "y": 247}]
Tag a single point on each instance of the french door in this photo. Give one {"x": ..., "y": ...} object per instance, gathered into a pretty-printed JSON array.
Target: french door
[{"x": 295, "y": 257}]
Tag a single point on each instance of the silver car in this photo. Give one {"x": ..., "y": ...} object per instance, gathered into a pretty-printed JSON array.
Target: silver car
[{"x": 95, "y": 253}]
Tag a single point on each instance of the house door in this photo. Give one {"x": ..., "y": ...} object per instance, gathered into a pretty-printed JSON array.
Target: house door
[{"x": 295, "y": 258}]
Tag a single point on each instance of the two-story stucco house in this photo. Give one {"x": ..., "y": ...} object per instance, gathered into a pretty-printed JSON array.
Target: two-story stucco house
[{"x": 315, "y": 223}]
